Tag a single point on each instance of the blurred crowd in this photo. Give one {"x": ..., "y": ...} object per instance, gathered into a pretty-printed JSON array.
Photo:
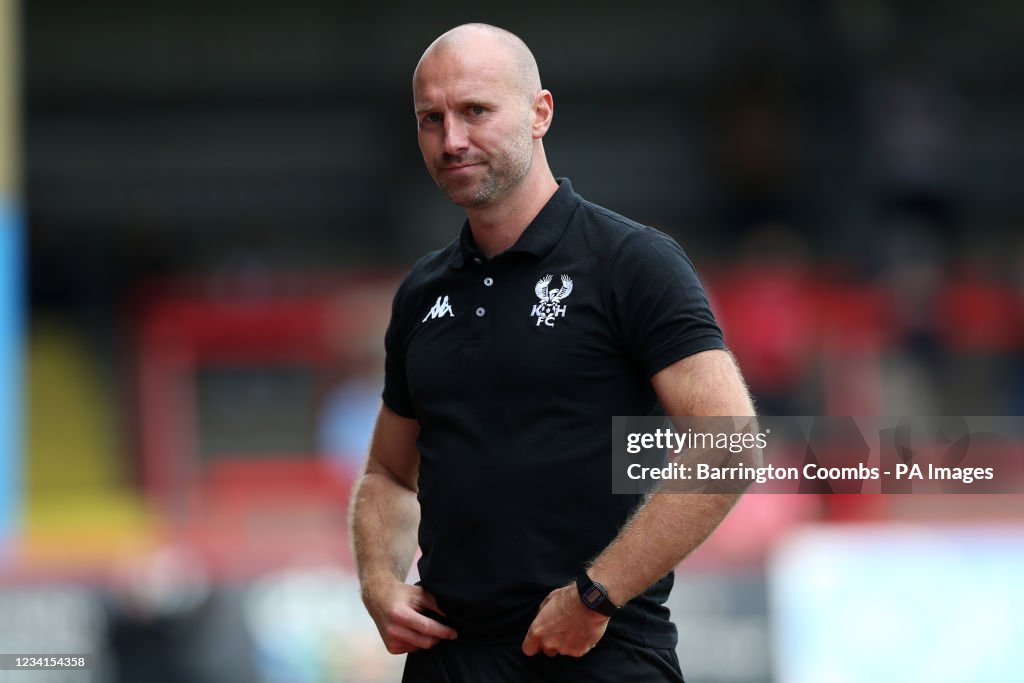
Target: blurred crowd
[{"x": 221, "y": 201}]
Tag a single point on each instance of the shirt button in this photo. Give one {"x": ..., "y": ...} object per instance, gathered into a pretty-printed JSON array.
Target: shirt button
[
  {"x": 476, "y": 260},
  {"x": 480, "y": 312},
  {"x": 488, "y": 281}
]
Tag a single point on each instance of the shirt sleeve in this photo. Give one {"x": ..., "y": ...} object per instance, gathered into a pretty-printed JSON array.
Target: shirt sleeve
[
  {"x": 396, "y": 384},
  {"x": 659, "y": 304}
]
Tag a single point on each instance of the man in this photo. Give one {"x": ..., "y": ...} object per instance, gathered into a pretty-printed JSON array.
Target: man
[{"x": 507, "y": 354}]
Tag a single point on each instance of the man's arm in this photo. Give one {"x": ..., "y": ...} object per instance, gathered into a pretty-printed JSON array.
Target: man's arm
[
  {"x": 385, "y": 516},
  {"x": 664, "y": 530},
  {"x": 672, "y": 525}
]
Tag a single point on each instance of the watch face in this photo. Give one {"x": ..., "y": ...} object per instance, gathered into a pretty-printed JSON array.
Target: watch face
[{"x": 593, "y": 596}]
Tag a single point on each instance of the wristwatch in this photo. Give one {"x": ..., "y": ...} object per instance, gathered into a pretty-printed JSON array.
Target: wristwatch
[{"x": 595, "y": 596}]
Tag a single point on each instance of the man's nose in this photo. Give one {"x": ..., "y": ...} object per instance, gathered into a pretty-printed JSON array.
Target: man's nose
[{"x": 456, "y": 139}]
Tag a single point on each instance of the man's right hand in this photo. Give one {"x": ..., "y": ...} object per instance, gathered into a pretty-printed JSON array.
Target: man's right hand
[{"x": 397, "y": 609}]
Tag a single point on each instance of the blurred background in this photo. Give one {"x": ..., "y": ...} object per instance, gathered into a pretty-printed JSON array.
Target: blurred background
[{"x": 205, "y": 209}]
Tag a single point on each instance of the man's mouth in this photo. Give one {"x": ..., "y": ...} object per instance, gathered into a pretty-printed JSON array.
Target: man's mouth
[{"x": 458, "y": 168}]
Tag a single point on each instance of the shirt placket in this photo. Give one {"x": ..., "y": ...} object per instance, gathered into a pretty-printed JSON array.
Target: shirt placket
[{"x": 484, "y": 299}]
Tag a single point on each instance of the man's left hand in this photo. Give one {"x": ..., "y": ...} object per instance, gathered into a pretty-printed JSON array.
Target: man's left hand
[{"x": 564, "y": 625}]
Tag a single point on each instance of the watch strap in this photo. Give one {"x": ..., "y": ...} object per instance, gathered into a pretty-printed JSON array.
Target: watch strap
[{"x": 594, "y": 595}]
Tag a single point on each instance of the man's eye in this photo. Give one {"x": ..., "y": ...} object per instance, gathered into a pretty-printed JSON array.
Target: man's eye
[
  {"x": 477, "y": 110},
  {"x": 432, "y": 117}
]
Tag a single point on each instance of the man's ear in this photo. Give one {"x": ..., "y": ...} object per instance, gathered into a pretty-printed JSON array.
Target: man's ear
[{"x": 543, "y": 113}]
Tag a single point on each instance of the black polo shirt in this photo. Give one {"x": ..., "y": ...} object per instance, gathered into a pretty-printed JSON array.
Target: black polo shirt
[{"x": 513, "y": 366}]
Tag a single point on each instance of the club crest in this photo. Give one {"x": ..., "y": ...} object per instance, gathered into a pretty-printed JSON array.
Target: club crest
[{"x": 550, "y": 307}]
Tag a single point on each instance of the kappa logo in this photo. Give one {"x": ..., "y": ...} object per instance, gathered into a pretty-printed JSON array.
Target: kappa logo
[
  {"x": 440, "y": 309},
  {"x": 548, "y": 308}
]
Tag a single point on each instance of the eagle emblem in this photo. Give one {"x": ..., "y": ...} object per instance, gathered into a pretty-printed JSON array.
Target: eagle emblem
[{"x": 549, "y": 307}]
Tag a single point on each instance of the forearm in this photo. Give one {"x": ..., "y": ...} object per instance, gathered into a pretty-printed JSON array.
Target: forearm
[
  {"x": 385, "y": 517},
  {"x": 657, "y": 538},
  {"x": 671, "y": 525}
]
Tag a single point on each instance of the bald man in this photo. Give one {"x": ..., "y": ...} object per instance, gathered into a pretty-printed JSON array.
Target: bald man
[{"x": 507, "y": 353}]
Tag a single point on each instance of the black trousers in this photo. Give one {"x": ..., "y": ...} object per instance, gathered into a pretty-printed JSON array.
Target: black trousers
[{"x": 611, "y": 661}]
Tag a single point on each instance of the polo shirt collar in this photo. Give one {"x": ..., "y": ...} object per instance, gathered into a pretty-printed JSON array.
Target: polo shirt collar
[{"x": 540, "y": 236}]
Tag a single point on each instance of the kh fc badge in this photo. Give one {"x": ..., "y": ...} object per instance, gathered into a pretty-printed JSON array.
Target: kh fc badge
[{"x": 550, "y": 305}]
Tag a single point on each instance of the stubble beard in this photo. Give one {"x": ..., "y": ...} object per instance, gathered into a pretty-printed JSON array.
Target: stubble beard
[{"x": 503, "y": 174}]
